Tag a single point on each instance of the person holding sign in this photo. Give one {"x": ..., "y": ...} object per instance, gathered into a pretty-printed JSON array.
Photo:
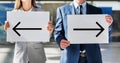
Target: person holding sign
[
  {"x": 23, "y": 50},
  {"x": 70, "y": 53}
]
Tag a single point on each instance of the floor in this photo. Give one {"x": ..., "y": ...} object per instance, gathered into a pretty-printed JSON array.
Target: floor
[{"x": 110, "y": 52}]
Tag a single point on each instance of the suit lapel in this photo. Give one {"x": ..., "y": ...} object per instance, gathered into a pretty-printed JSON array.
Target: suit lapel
[
  {"x": 88, "y": 9},
  {"x": 72, "y": 9},
  {"x": 68, "y": 11}
]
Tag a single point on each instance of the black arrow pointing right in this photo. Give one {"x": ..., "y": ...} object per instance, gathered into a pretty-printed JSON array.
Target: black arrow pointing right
[{"x": 91, "y": 29}]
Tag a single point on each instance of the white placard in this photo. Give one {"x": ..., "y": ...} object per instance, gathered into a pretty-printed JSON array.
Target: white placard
[
  {"x": 84, "y": 29},
  {"x": 28, "y": 26}
]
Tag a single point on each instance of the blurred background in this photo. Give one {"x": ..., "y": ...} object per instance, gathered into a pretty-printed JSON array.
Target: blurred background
[{"x": 110, "y": 51}]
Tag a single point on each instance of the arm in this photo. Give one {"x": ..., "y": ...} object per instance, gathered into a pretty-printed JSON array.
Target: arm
[{"x": 59, "y": 34}]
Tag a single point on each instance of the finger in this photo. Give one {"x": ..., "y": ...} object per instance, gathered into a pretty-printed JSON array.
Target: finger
[
  {"x": 7, "y": 24},
  {"x": 49, "y": 22},
  {"x": 62, "y": 46},
  {"x": 65, "y": 44},
  {"x": 108, "y": 17},
  {"x": 48, "y": 28}
]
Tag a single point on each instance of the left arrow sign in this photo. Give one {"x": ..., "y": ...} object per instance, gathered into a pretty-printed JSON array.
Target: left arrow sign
[{"x": 15, "y": 29}]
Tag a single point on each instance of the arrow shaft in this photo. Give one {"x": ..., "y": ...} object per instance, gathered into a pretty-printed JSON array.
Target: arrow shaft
[
  {"x": 85, "y": 29},
  {"x": 28, "y": 28}
]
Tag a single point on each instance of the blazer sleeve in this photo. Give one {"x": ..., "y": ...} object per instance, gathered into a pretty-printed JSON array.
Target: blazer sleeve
[{"x": 59, "y": 30}]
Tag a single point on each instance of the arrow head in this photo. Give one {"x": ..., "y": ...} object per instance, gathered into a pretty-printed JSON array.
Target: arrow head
[
  {"x": 101, "y": 29},
  {"x": 15, "y": 29}
]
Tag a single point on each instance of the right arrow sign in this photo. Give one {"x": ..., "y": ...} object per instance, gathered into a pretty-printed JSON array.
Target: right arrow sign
[
  {"x": 84, "y": 29},
  {"x": 91, "y": 29}
]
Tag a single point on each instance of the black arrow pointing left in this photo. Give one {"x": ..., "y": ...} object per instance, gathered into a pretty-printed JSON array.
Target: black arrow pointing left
[{"x": 15, "y": 29}]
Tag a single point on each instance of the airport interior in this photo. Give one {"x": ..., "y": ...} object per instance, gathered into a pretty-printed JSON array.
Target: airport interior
[{"x": 110, "y": 51}]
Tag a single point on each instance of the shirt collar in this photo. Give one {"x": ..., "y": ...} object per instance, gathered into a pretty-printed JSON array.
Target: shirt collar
[{"x": 76, "y": 5}]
